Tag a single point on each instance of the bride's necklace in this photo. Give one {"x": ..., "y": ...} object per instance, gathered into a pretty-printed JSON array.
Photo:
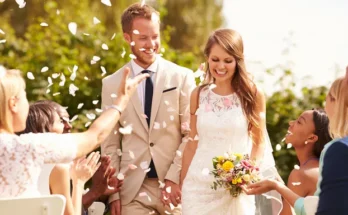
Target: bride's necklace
[{"x": 309, "y": 159}]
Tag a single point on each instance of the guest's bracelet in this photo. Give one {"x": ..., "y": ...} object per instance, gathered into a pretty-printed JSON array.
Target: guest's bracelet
[{"x": 116, "y": 108}]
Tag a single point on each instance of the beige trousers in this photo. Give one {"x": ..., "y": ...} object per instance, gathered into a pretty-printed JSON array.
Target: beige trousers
[{"x": 148, "y": 201}]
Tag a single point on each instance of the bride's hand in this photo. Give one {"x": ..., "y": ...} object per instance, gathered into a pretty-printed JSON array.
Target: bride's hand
[{"x": 260, "y": 187}]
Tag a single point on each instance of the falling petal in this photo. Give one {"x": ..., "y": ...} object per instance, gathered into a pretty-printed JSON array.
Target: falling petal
[
  {"x": 166, "y": 212},
  {"x": 113, "y": 36},
  {"x": 86, "y": 78},
  {"x": 152, "y": 212},
  {"x": 99, "y": 110},
  {"x": 58, "y": 12},
  {"x": 123, "y": 52},
  {"x": 171, "y": 206},
  {"x": 164, "y": 124},
  {"x": 132, "y": 56},
  {"x": 105, "y": 47},
  {"x": 131, "y": 154},
  {"x": 132, "y": 43},
  {"x": 2, "y": 41},
  {"x": 163, "y": 50},
  {"x": 91, "y": 116},
  {"x": 296, "y": 183},
  {"x": 95, "y": 102},
  {"x": 169, "y": 189},
  {"x": 154, "y": 17},
  {"x": 212, "y": 86},
  {"x": 43, "y": 24},
  {"x": 55, "y": 75},
  {"x": 96, "y": 20},
  {"x": 289, "y": 145},
  {"x": 119, "y": 152},
  {"x": 50, "y": 83},
  {"x": 161, "y": 184},
  {"x": 142, "y": 49},
  {"x": 87, "y": 124},
  {"x": 73, "y": 89},
  {"x": 156, "y": 125},
  {"x": 205, "y": 171},
  {"x": 44, "y": 69},
  {"x": 297, "y": 167},
  {"x": 126, "y": 130},
  {"x": 147, "y": 170},
  {"x": 120, "y": 176},
  {"x": 283, "y": 139},
  {"x": 144, "y": 165},
  {"x": 74, "y": 118},
  {"x": 1, "y": 31},
  {"x": 106, "y": 2},
  {"x": 103, "y": 70},
  {"x": 56, "y": 94},
  {"x": 30, "y": 76},
  {"x": 132, "y": 166},
  {"x": 171, "y": 117},
  {"x": 80, "y": 106},
  {"x": 170, "y": 109},
  {"x": 72, "y": 27},
  {"x": 196, "y": 138},
  {"x": 48, "y": 91},
  {"x": 136, "y": 32},
  {"x": 62, "y": 78},
  {"x": 113, "y": 95},
  {"x": 21, "y": 3},
  {"x": 178, "y": 153},
  {"x": 166, "y": 102},
  {"x": 278, "y": 147}
]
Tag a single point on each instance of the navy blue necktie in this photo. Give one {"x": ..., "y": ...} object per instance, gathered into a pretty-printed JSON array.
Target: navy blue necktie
[{"x": 147, "y": 110}]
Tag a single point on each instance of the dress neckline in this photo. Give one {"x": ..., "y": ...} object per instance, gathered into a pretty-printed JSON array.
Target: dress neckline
[{"x": 224, "y": 96}]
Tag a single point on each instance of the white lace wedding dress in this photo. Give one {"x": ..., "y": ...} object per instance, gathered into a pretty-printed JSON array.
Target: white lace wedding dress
[
  {"x": 221, "y": 126},
  {"x": 22, "y": 158}
]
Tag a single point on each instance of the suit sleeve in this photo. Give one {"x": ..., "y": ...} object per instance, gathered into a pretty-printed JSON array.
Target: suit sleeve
[
  {"x": 188, "y": 85},
  {"x": 112, "y": 142}
]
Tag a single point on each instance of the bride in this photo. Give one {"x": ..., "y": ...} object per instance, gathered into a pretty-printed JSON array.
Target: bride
[{"x": 227, "y": 114}]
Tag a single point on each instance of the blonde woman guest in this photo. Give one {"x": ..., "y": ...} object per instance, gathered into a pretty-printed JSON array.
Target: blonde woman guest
[
  {"x": 29, "y": 152},
  {"x": 332, "y": 187}
]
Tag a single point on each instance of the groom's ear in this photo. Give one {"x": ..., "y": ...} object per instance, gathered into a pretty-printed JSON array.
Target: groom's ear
[{"x": 127, "y": 38}]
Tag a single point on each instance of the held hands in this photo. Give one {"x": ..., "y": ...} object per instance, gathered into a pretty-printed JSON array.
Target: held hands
[
  {"x": 82, "y": 169},
  {"x": 128, "y": 87},
  {"x": 171, "y": 193},
  {"x": 261, "y": 187}
]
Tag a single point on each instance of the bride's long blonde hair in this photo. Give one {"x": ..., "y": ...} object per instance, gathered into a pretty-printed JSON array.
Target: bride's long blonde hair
[{"x": 232, "y": 43}]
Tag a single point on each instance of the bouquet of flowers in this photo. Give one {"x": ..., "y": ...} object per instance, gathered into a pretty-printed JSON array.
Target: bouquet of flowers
[{"x": 233, "y": 170}]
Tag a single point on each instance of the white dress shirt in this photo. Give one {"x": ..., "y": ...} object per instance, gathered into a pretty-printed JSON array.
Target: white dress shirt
[{"x": 136, "y": 69}]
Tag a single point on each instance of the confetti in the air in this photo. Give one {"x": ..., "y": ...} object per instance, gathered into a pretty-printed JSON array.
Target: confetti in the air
[
  {"x": 56, "y": 94},
  {"x": 132, "y": 56},
  {"x": 120, "y": 176},
  {"x": 80, "y": 106},
  {"x": 156, "y": 125},
  {"x": 123, "y": 52},
  {"x": 86, "y": 34},
  {"x": 86, "y": 78},
  {"x": 164, "y": 124},
  {"x": 103, "y": 70},
  {"x": 144, "y": 165},
  {"x": 119, "y": 152},
  {"x": 169, "y": 189},
  {"x": 289, "y": 145},
  {"x": 178, "y": 153},
  {"x": 62, "y": 78},
  {"x": 105, "y": 47},
  {"x": 131, "y": 154},
  {"x": 21, "y": 3},
  {"x": 171, "y": 117},
  {"x": 113, "y": 95},
  {"x": 296, "y": 183},
  {"x": 55, "y": 75},
  {"x": 132, "y": 166},
  {"x": 297, "y": 167},
  {"x": 2, "y": 41},
  {"x": 87, "y": 124},
  {"x": 98, "y": 110},
  {"x": 44, "y": 69},
  {"x": 74, "y": 118},
  {"x": 96, "y": 20},
  {"x": 72, "y": 27},
  {"x": 136, "y": 32},
  {"x": 126, "y": 130},
  {"x": 154, "y": 17},
  {"x": 113, "y": 36},
  {"x": 91, "y": 116},
  {"x": 106, "y": 2},
  {"x": 43, "y": 24},
  {"x": 48, "y": 91},
  {"x": 73, "y": 89},
  {"x": 132, "y": 43},
  {"x": 166, "y": 102},
  {"x": 161, "y": 184},
  {"x": 50, "y": 83},
  {"x": 1, "y": 31},
  {"x": 95, "y": 102},
  {"x": 278, "y": 147},
  {"x": 30, "y": 76},
  {"x": 205, "y": 171}
]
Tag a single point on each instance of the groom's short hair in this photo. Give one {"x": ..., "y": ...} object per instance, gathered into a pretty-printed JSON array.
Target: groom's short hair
[{"x": 136, "y": 11}]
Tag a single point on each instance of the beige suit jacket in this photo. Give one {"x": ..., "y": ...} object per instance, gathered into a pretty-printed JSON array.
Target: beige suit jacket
[{"x": 161, "y": 140}]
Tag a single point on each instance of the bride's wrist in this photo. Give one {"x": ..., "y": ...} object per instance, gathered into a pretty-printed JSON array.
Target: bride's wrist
[{"x": 121, "y": 102}]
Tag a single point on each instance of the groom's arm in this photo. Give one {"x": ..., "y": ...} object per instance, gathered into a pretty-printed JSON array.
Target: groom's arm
[
  {"x": 112, "y": 143},
  {"x": 188, "y": 85}
]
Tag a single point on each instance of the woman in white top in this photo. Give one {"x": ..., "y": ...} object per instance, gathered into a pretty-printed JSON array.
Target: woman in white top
[{"x": 22, "y": 157}]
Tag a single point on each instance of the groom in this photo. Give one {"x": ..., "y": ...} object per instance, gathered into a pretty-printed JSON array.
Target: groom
[{"x": 158, "y": 116}]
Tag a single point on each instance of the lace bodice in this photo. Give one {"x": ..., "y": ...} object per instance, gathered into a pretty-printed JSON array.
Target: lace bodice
[{"x": 22, "y": 158}]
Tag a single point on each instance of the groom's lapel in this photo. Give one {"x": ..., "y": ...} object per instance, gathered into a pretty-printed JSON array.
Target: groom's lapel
[
  {"x": 137, "y": 106},
  {"x": 158, "y": 90}
]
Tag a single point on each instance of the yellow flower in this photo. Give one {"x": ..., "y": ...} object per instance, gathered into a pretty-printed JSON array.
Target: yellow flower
[
  {"x": 246, "y": 178},
  {"x": 227, "y": 166},
  {"x": 239, "y": 180},
  {"x": 220, "y": 158},
  {"x": 234, "y": 181},
  {"x": 239, "y": 156}
]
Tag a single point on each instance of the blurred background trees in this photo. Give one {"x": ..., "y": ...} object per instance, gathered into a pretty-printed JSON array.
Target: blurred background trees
[{"x": 186, "y": 24}]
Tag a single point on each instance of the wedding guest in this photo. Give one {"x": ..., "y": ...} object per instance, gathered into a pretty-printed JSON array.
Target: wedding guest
[
  {"x": 308, "y": 134},
  {"x": 332, "y": 186},
  {"x": 27, "y": 153}
]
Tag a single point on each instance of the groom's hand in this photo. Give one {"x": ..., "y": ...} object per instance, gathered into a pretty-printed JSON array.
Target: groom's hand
[
  {"x": 171, "y": 193},
  {"x": 115, "y": 207}
]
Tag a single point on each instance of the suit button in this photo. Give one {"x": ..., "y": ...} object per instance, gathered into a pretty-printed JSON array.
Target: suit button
[{"x": 152, "y": 144}]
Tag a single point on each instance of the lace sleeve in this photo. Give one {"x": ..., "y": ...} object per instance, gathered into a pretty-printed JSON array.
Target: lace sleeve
[{"x": 51, "y": 147}]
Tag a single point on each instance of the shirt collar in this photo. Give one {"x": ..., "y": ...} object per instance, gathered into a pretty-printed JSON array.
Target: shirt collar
[{"x": 138, "y": 69}]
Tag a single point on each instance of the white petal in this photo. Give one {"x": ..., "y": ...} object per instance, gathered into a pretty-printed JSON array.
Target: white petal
[
  {"x": 154, "y": 17},
  {"x": 2, "y": 41},
  {"x": 132, "y": 166},
  {"x": 113, "y": 95},
  {"x": 171, "y": 117},
  {"x": 296, "y": 183},
  {"x": 178, "y": 153},
  {"x": 297, "y": 167},
  {"x": 55, "y": 75},
  {"x": 119, "y": 152},
  {"x": 132, "y": 43},
  {"x": 131, "y": 154},
  {"x": 164, "y": 124},
  {"x": 44, "y": 69},
  {"x": 278, "y": 147},
  {"x": 86, "y": 34},
  {"x": 86, "y": 78},
  {"x": 96, "y": 20},
  {"x": 30, "y": 76},
  {"x": 43, "y": 24},
  {"x": 161, "y": 184},
  {"x": 126, "y": 130},
  {"x": 169, "y": 189},
  {"x": 205, "y": 171},
  {"x": 58, "y": 12},
  {"x": 74, "y": 118},
  {"x": 48, "y": 91},
  {"x": 156, "y": 125},
  {"x": 98, "y": 110},
  {"x": 49, "y": 79},
  {"x": 144, "y": 165},
  {"x": 113, "y": 36},
  {"x": 21, "y": 3},
  {"x": 73, "y": 89},
  {"x": 95, "y": 102},
  {"x": 80, "y": 106},
  {"x": 56, "y": 94},
  {"x": 106, "y": 2},
  {"x": 62, "y": 78},
  {"x": 1, "y": 31},
  {"x": 105, "y": 47},
  {"x": 289, "y": 145},
  {"x": 72, "y": 27},
  {"x": 120, "y": 176},
  {"x": 132, "y": 56},
  {"x": 96, "y": 58},
  {"x": 123, "y": 52},
  {"x": 91, "y": 116},
  {"x": 87, "y": 124},
  {"x": 166, "y": 102},
  {"x": 103, "y": 70},
  {"x": 136, "y": 32},
  {"x": 170, "y": 109}
]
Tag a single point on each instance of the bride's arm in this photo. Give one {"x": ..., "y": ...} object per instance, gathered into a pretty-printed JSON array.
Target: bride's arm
[
  {"x": 258, "y": 135},
  {"x": 191, "y": 146}
]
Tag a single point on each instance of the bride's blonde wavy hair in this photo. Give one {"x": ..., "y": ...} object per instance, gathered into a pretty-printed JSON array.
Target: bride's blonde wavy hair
[
  {"x": 339, "y": 122},
  {"x": 231, "y": 41}
]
